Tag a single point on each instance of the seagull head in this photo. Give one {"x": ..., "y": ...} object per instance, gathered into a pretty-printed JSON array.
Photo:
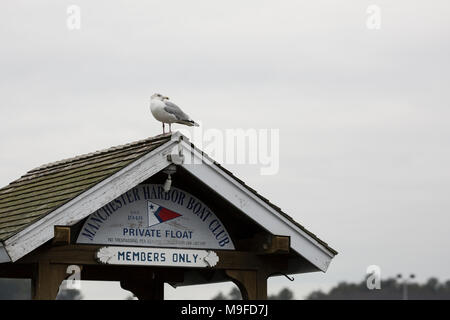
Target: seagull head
[{"x": 159, "y": 97}]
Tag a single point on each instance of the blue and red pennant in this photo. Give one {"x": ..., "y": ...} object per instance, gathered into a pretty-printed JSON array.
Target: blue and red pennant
[{"x": 158, "y": 214}]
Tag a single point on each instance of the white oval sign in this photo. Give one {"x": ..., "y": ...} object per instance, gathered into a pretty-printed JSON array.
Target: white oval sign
[
  {"x": 157, "y": 257},
  {"x": 149, "y": 217}
]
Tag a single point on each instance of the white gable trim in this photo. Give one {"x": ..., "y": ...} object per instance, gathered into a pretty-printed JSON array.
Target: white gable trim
[
  {"x": 96, "y": 197},
  {"x": 254, "y": 207}
]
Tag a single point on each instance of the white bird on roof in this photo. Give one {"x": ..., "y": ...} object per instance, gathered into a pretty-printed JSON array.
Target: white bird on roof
[{"x": 168, "y": 112}]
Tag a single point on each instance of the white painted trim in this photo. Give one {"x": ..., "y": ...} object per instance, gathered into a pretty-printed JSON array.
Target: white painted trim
[
  {"x": 4, "y": 257},
  {"x": 255, "y": 208},
  {"x": 96, "y": 197}
]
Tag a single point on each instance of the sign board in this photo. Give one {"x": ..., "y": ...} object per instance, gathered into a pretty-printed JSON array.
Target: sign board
[
  {"x": 157, "y": 257},
  {"x": 149, "y": 217}
]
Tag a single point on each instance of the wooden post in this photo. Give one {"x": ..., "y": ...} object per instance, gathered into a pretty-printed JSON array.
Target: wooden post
[
  {"x": 251, "y": 283},
  {"x": 144, "y": 288},
  {"x": 47, "y": 279}
]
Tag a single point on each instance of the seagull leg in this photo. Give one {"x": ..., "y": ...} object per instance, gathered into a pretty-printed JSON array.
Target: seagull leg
[
  {"x": 164, "y": 128},
  {"x": 170, "y": 127}
]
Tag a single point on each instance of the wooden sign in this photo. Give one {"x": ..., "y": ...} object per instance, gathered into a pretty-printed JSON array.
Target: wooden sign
[
  {"x": 149, "y": 217},
  {"x": 157, "y": 257}
]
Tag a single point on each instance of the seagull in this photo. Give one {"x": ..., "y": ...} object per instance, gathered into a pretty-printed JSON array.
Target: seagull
[{"x": 168, "y": 112}]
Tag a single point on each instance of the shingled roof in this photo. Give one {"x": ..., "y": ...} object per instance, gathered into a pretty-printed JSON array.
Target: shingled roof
[{"x": 44, "y": 189}]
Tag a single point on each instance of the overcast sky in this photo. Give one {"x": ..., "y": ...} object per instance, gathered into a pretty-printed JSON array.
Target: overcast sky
[{"x": 363, "y": 114}]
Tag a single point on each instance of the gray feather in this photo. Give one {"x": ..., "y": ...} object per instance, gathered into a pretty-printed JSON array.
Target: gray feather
[{"x": 176, "y": 111}]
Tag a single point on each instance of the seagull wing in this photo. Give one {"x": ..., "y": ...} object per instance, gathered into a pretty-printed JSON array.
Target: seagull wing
[
  {"x": 172, "y": 108},
  {"x": 182, "y": 117}
]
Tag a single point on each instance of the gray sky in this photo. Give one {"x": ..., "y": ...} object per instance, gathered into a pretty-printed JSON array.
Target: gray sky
[{"x": 363, "y": 114}]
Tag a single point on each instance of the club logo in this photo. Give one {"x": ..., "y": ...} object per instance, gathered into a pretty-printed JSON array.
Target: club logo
[{"x": 158, "y": 214}]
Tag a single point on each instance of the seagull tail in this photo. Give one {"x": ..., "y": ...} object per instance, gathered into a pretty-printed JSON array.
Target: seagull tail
[{"x": 190, "y": 123}]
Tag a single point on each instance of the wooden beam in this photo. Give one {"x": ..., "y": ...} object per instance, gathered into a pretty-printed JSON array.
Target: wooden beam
[
  {"x": 265, "y": 243},
  {"x": 85, "y": 255},
  {"x": 251, "y": 283},
  {"x": 144, "y": 288},
  {"x": 278, "y": 244},
  {"x": 67, "y": 254},
  {"x": 17, "y": 271},
  {"x": 47, "y": 279},
  {"x": 62, "y": 235}
]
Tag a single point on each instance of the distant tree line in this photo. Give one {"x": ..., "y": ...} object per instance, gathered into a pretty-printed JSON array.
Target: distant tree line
[
  {"x": 235, "y": 294},
  {"x": 391, "y": 289}
]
